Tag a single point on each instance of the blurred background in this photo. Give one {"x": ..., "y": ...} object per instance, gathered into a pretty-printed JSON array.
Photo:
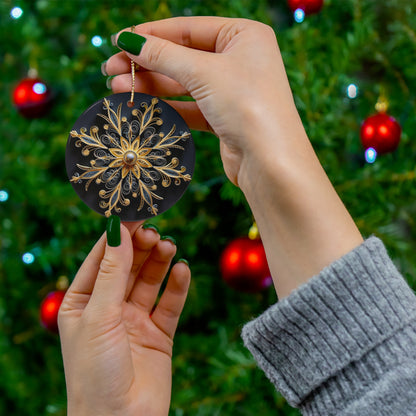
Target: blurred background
[{"x": 347, "y": 60}]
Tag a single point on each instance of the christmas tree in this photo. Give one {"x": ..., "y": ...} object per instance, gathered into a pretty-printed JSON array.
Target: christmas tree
[{"x": 341, "y": 60}]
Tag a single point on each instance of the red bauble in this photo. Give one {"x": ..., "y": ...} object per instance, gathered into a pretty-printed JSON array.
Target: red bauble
[
  {"x": 381, "y": 132},
  {"x": 32, "y": 98},
  {"x": 49, "y": 310},
  {"x": 244, "y": 266},
  {"x": 308, "y": 6}
]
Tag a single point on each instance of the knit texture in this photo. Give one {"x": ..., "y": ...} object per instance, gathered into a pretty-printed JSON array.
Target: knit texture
[{"x": 345, "y": 342}]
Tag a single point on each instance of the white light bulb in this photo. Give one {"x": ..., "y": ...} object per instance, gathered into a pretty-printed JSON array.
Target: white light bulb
[
  {"x": 28, "y": 258},
  {"x": 352, "y": 91},
  {"x": 97, "y": 41},
  {"x": 370, "y": 155},
  {"x": 16, "y": 12},
  {"x": 299, "y": 15}
]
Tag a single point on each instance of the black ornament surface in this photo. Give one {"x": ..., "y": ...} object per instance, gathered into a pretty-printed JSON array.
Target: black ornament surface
[{"x": 131, "y": 161}]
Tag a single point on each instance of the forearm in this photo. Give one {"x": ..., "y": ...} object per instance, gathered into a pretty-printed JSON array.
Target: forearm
[
  {"x": 343, "y": 343},
  {"x": 303, "y": 223}
]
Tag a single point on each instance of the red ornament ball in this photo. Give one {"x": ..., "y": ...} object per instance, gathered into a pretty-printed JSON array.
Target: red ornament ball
[
  {"x": 308, "y": 6},
  {"x": 32, "y": 98},
  {"x": 381, "y": 132},
  {"x": 244, "y": 266},
  {"x": 49, "y": 309}
]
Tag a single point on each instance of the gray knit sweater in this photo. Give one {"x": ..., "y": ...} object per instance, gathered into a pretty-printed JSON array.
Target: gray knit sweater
[{"x": 345, "y": 342}]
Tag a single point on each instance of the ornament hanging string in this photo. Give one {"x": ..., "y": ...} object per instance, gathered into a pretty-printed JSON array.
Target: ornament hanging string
[{"x": 133, "y": 74}]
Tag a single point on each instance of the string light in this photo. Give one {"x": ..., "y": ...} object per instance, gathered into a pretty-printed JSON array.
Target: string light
[
  {"x": 370, "y": 155},
  {"x": 16, "y": 12},
  {"x": 28, "y": 258},
  {"x": 352, "y": 91},
  {"x": 299, "y": 15},
  {"x": 4, "y": 195},
  {"x": 97, "y": 41},
  {"x": 39, "y": 88}
]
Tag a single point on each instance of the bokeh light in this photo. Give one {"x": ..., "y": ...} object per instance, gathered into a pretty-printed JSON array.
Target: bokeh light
[
  {"x": 28, "y": 258},
  {"x": 352, "y": 91},
  {"x": 16, "y": 12},
  {"x": 370, "y": 155},
  {"x": 4, "y": 195},
  {"x": 299, "y": 15},
  {"x": 97, "y": 41}
]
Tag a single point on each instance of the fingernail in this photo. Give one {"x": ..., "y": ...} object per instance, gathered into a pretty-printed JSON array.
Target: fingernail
[
  {"x": 183, "y": 261},
  {"x": 108, "y": 82},
  {"x": 104, "y": 69},
  {"x": 150, "y": 227},
  {"x": 114, "y": 39},
  {"x": 113, "y": 231},
  {"x": 168, "y": 237},
  {"x": 131, "y": 42}
]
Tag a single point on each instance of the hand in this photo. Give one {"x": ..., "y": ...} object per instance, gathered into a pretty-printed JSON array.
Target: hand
[
  {"x": 234, "y": 71},
  {"x": 117, "y": 352}
]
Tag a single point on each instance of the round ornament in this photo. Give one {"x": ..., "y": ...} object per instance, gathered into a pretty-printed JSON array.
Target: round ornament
[
  {"x": 244, "y": 265},
  {"x": 32, "y": 98},
  {"x": 380, "y": 132},
  {"x": 131, "y": 159},
  {"x": 308, "y": 6},
  {"x": 49, "y": 309}
]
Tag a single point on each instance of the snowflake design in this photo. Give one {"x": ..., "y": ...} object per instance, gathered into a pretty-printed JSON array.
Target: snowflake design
[{"x": 130, "y": 157}]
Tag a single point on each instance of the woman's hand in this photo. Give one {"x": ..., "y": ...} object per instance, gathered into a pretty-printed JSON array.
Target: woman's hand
[
  {"x": 234, "y": 71},
  {"x": 116, "y": 346}
]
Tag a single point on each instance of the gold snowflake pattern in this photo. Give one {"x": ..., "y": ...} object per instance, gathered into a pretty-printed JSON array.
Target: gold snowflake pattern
[{"x": 130, "y": 158}]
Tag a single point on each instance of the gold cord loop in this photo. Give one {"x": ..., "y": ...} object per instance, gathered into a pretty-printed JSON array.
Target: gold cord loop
[{"x": 133, "y": 73}]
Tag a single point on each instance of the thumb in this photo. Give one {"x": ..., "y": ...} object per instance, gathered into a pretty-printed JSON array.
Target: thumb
[
  {"x": 110, "y": 286},
  {"x": 180, "y": 63}
]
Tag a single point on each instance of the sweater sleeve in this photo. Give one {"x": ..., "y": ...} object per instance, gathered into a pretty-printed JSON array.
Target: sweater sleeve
[{"x": 344, "y": 343}]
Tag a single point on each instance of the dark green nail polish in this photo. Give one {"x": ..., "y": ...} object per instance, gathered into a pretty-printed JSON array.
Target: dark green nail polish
[
  {"x": 108, "y": 82},
  {"x": 150, "y": 227},
  {"x": 131, "y": 42},
  {"x": 168, "y": 237},
  {"x": 104, "y": 69},
  {"x": 113, "y": 231},
  {"x": 183, "y": 261},
  {"x": 114, "y": 39}
]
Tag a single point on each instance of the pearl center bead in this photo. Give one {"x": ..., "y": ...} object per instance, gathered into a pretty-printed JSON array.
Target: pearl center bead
[{"x": 130, "y": 158}]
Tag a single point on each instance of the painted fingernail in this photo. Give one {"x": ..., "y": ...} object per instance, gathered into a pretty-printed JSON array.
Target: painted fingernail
[
  {"x": 114, "y": 39},
  {"x": 104, "y": 69},
  {"x": 108, "y": 82},
  {"x": 183, "y": 261},
  {"x": 169, "y": 238},
  {"x": 131, "y": 42},
  {"x": 150, "y": 227},
  {"x": 113, "y": 231}
]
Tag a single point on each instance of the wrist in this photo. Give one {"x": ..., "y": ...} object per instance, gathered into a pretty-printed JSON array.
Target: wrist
[
  {"x": 302, "y": 222},
  {"x": 274, "y": 151}
]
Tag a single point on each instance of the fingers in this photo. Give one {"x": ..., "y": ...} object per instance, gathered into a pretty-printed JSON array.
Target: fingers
[
  {"x": 146, "y": 287},
  {"x": 133, "y": 226},
  {"x": 113, "y": 274},
  {"x": 144, "y": 240},
  {"x": 84, "y": 280},
  {"x": 149, "y": 83},
  {"x": 160, "y": 85},
  {"x": 193, "y": 32},
  {"x": 167, "y": 312},
  {"x": 192, "y": 115}
]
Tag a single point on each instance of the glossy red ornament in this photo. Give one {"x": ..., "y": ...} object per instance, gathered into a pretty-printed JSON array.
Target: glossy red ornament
[
  {"x": 32, "y": 98},
  {"x": 381, "y": 132},
  {"x": 49, "y": 309},
  {"x": 308, "y": 6},
  {"x": 244, "y": 266}
]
